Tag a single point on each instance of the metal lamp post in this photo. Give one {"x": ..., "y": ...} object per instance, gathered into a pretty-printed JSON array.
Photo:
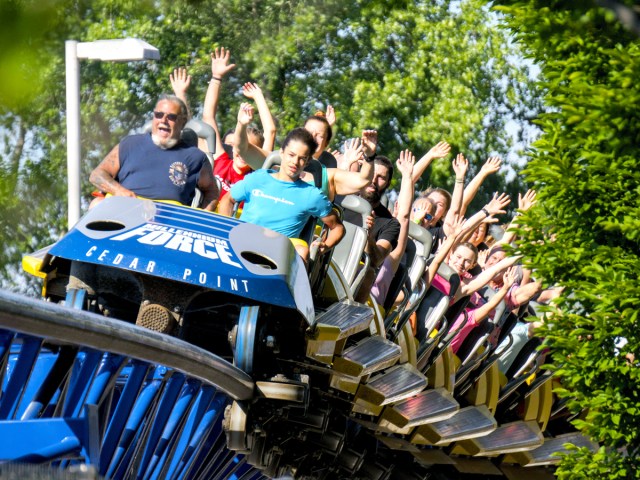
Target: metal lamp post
[{"x": 119, "y": 50}]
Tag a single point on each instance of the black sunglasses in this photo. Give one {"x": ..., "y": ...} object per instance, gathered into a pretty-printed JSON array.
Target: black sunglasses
[{"x": 172, "y": 117}]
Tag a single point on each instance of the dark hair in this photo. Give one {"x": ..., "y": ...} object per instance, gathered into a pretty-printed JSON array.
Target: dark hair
[
  {"x": 301, "y": 135},
  {"x": 385, "y": 162},
  {"x": 322, "y": 119},
  {"x": 184, "y": 112},
  {"x": 442, "y": 192},
  {"x": 471, "y": 247}
]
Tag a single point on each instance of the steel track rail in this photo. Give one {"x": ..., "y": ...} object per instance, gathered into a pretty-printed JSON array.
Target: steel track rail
[{"x": 62, "y": 325}]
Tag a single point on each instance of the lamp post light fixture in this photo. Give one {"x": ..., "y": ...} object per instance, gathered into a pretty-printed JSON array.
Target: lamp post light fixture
[{"x": 118, "y": 50}]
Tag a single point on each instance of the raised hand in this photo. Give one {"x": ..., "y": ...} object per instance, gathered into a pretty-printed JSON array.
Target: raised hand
[
  {"x": 509, "y": 277},
  {"x": 457, "y": 224},
  {"x": 353, "y": 152},
  {"x": 497, "y": 204},
  {"x": 369, "y": 223},
  {"x": 460, "y": 165},
  {"x": 492, "y": 165},
  {"x": 220, "y": 65},
  {"x": 440, "y": 150},
  {"x": 482, "y": 258},
  {"x": 370, "y": 142},
  {"x": 526, "y": 201},
  {"x": 245, "y": 114},
  {"x": 330, "y": 115},
  {"x": 180, "y": 81},
  {"x": 405, "y": 162},
  {"x": 251, "y": 90}
]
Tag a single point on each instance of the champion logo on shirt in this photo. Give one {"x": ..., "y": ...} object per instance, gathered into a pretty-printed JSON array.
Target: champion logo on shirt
[
  {"x": 178, "y": 173},
  {"x": 259, "y": 193}
]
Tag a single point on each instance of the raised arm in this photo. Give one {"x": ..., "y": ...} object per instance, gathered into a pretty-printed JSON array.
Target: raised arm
[
  {"x": 180, "y": 82},
  {"x": 103, "y": 176},
  {"x": 494, "y": 207},
  {"x": 460, "y": 165},
  {"x": 253, "y": 91},
  {"x": 345, "y": 182},
  {"x": 525, "y": 202},
  {"x": 405, "y": 200},
  {"x": 254, "y": 156},
  {"x": 508, "y": 279},
  {"x": 442, "y": 252},
  {"x": 219, "y": 68},
  {"x": 330, "y": 115},
  {"x": 492, "y": 165},
  {"x": 440, "y": 150},
  {"x": 487, "y": 275}
]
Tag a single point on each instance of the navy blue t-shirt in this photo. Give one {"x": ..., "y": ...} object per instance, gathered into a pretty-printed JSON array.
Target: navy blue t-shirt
[{"x": 151, "y": 172}]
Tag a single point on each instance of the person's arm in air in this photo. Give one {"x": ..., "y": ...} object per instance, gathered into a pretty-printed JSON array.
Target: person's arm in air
[
  {"x": 492, "y": 165},
  {"x": 253, "y": 91},
  {"x": 219, "y": 68},
  {"x": 254, "y": 156},
  {"x": 485, "y": 277},
  {"x": 208, "y": 186},
  {"x": 525, "y": 202},
  {"x": 460, "y": 165},
  {"x": 331, "y": 118},
  {"x": 336, "y": 232},
  {"x": 524, "y": 293},
  {"x": 180, "y": 82},
  {"x": 440, "y": 150},
  {"x": 494, "y": 207},
  {"x": 483, "y": 311},
  {"x": 405, "y": 200},
  {"x": 443, "y": 250},
  {"x": 345, "y": 182},
  {"x": 103, "y": 176}
]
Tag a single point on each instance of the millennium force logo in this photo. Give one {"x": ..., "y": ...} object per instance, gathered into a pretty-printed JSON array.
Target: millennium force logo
[{"x": 178, "y": 173}]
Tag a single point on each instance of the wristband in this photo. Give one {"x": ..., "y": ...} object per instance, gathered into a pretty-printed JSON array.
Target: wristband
[
  {"x": 370, "y": 158},
  {"x": 486, "y": 212},
  {"x": 216, "y": 78},
  {"x": 459, "y": 181}
]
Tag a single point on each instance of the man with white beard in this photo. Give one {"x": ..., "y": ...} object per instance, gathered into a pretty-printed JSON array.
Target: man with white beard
[{"x": 159, "y": 165}]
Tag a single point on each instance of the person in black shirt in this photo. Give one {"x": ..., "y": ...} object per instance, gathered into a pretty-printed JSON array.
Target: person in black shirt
[{"x": 382, "y": 227}]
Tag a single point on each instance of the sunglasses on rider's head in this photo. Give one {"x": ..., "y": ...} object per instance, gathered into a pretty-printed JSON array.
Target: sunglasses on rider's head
[{"x": 172, "y": 117}]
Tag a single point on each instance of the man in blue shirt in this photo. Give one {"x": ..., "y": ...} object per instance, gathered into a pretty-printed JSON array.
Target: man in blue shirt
[
  {"x": 158, "y": 165},
  {"x": 281, "y": 201}
]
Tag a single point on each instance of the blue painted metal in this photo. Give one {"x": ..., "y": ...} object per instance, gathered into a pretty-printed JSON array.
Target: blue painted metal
[
  {"x": 82, "y": 374},
  {"x": 130, "y": 418},
  {"x": 245, "y": 338},
  {"x": 137, "y": 374},
  {"x": 21, "y": 371},
  {"x": 37, "y": 441},
  {"x": 195, "y": 420}
]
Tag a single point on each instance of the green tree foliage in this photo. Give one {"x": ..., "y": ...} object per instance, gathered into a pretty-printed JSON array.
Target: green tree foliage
[
  {"x": 418, "y": 71},
  {"x": 586, "y": 233}
]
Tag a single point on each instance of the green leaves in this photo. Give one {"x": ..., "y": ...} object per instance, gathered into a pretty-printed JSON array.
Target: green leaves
[{"x": 584, "y": 235}]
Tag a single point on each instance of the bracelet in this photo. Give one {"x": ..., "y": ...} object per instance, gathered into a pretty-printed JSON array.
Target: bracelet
[
  {"x": 486, "y": 212},
  {"x": 459, "y": 181},
  {"x": 371, "y": 158},
  {"x": 216, "y": 78}
]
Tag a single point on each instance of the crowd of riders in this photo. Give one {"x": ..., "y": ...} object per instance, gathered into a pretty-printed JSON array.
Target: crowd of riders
[{"x": 313, "y": 176}]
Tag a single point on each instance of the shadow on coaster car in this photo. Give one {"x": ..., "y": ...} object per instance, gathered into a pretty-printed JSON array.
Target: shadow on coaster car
[{"x": 340, "y": 388}]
